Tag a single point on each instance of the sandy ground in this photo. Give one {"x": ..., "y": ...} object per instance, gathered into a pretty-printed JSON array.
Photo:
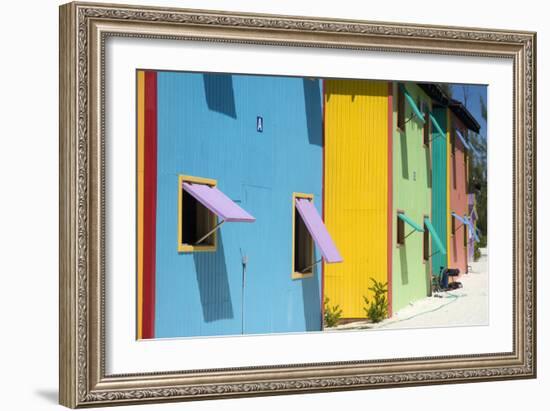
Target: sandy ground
[{"x": 465, "y": 306}]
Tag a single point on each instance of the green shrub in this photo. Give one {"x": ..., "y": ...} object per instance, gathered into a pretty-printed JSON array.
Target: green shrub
[
  {"x": 477, "y": 252},
  {"x": 483, "y": 241},
  {"x": 332, "y": 314},
  {"x": 377, "y": 309}
]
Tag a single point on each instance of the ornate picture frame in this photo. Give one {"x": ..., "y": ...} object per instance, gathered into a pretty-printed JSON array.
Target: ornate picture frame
[{"x": 84, "y": 29}]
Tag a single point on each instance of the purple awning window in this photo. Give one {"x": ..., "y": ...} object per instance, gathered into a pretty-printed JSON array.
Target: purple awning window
[
  {"x": 461, "y": 219},
  {"x": 472, "y": 229},
  {"x": 318, "y": 231},
  {"x": 462, "y": 139},
  {"x": 218, "y": 203}
]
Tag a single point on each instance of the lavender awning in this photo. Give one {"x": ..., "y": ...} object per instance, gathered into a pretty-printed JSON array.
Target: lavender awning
[
  {"x": 318, "y": 231},
  {"x": 461, "y": 219},
  {"x": 472, "y": 229},
  {"x": 462, "y": 139},
  {"x": 218, "y": 203}
]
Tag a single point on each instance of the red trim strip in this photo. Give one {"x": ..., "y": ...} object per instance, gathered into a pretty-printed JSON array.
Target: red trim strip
[
  {"x": 390, "y": 199},
  {"x": 149, "y": 205}
]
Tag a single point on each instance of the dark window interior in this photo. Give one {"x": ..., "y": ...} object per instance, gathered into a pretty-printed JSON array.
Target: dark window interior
[
  {"x": 400, "y": 231},
  {"x": 427, "y": 128},
  {"x": 196, "y": 221},
  {"x": 466, "y": 167},
  {"x": 465, "y": 230},
  {"x": 401, "y": 106},
  {"x": 453, "y": 140},
  {"x": 426, "y": 246},
  {"x": 303, "y": 246},
  {"x": 453, "y": 220}
]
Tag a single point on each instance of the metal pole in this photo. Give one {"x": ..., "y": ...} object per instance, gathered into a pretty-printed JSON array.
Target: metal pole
[
  {"x": 308, "y": 267},
  {"x": 244, "y": 262},
  {"x": 412, "y": 232},
  {"x": 210, "y": 232}
]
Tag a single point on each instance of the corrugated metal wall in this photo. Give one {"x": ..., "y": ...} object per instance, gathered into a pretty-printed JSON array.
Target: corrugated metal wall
[
  {"x": 459, "y": 202},
  {"x": 207, "y": 128},
  {"x": 412, "y": 186},
  {"x": 356, "y": 189},
  {"x": 439, "y": 188}
]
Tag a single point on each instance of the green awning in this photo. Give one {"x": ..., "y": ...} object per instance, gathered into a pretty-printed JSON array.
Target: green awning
[
  {"x": 410, "y": 222},
  {"x": 413, "y": 105},
  {"x": 434, "y": 235},
  {"x": 437, "y": 127}
]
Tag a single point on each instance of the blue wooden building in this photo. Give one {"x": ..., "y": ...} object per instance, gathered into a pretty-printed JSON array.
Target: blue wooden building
[{"x": 259, "y": 139}]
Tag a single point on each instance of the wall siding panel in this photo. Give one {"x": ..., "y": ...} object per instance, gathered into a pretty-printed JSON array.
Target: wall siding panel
[
  {"x": 440, "y": 209},
  {"x": 412, "y": 186},
  {"x": 356, "y": 189},
  {"x": 207, "y": 128},
  {"x": 458, "y": 257}
]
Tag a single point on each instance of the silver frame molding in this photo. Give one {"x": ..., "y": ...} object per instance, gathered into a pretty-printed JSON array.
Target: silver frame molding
[{"x": 84, "y": 27}]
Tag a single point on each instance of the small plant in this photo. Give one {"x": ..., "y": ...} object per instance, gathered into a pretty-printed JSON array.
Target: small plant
[
  {"x": 482, "y": 240},
  {"x": 477, "y": 252},
  {"x": 332, "y": 314},
  {"x": 377, "y": 309}
]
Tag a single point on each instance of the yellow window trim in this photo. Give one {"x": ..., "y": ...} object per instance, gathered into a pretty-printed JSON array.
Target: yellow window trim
[
  {"x": 295, "y": 274},
  {"x": 187, "y": 248}
]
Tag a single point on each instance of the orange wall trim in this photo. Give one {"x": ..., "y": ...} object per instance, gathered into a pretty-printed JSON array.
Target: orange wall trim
[{"x": 140, "y": 177}]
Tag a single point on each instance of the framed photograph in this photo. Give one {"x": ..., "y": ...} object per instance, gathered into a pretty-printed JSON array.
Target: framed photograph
[{"x": 260, "y": 204}]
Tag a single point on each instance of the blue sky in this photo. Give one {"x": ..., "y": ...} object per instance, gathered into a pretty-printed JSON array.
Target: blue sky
[{"x": 474, "y": 93}]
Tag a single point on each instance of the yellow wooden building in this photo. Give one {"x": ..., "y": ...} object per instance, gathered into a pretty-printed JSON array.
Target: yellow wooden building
[{"x": 357, "y": 173}]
